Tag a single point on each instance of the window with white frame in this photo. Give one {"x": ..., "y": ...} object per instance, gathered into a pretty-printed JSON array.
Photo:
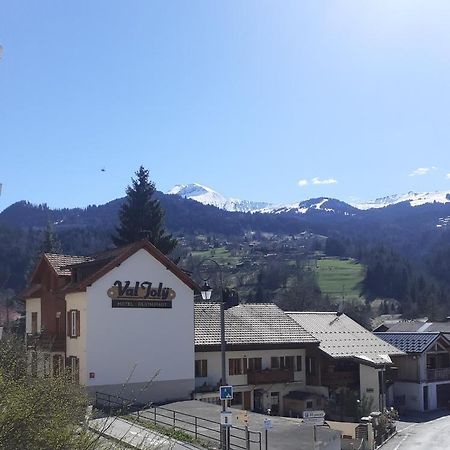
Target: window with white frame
[
  {"x": 74, "y": 364},
  {"x": 73, "y": 323},
  {"x": 73, "y": 331}
]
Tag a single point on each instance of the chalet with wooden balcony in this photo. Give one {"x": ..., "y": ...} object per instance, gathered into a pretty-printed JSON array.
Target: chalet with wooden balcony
[
  {"x": 423, "y": 378},
  {"x": 353, "y": 364},
  {"x": 266, "y": 359}
]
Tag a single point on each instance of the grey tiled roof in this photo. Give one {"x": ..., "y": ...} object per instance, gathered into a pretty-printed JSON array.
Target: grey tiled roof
[
  {"x": 59, "y": 262},
  {"x": 418, "y": 325},
  {"x": 409, "y": 342},
  {"x": 342, "y": 337},
  {"x": 404, "y": 325},
  {"x": 250, "y": 323}
]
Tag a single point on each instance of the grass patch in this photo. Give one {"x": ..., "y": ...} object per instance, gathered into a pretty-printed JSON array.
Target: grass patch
[
  {"x": 171, "y": 432},
  {"x": 339, "y": 278},
  {"x": 221, "y": 255}
]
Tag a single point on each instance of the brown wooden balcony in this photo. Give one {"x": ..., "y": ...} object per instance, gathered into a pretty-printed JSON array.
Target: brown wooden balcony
[
  {"x": 46, "y": 342},
  {"x": 438, "y": 374},
  {"x": 270, "y": 376}
]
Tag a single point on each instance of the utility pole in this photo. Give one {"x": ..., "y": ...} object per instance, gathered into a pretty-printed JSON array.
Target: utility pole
[{"x": 206, "y": 295}]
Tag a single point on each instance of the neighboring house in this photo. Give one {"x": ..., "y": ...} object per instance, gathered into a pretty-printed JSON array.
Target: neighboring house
[
  {"x": 423, "y": 379},
  {"x": 414, "y": 326},
  {"x": 350, "y": 361},
  {"x": 120, "y": 321},
  {"x": 266, "y": 359}
]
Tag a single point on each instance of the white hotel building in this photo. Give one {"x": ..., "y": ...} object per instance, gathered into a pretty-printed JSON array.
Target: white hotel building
[{"x": 122, "y": 321}]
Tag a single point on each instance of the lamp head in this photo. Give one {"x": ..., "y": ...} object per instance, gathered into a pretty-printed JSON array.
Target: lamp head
[{"x": 206, "y": 291}]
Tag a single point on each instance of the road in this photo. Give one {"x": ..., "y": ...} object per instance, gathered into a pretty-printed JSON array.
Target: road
[
  {"x": 417, "y": 434},
  {"x": 285, "y": 434}
]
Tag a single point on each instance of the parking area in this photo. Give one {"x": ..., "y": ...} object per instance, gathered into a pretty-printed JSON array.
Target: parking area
[{"x": 285, "y": 434}]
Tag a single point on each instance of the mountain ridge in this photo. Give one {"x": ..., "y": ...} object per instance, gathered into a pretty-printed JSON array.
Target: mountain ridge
[{"x": 208, "y": 196}]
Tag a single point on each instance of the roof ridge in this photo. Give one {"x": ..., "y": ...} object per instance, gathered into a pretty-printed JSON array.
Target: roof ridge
[
  {"x": 66, "y": 254},
  {"x": 407, "y": 332},
  {"x": 316, "y": 312}
]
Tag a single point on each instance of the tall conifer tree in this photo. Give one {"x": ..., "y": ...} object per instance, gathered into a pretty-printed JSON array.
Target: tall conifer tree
[{"x": 141, "y": 216}]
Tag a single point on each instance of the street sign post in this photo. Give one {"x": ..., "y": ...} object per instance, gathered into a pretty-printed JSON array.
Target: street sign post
[
  {"x": 226, "y": 418},
  {"x": 267, "y": 427},
  {"x": 267, "y": 424},
  {"x": 314, "y": 417},
  {"x": 226, "y": 392}
]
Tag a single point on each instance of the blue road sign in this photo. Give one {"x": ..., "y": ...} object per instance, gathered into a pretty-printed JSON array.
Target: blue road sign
[{"x": 226, "y": 392}]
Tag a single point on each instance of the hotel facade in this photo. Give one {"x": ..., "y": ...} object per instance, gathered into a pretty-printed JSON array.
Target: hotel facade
[{"x": 121, "y": 321}]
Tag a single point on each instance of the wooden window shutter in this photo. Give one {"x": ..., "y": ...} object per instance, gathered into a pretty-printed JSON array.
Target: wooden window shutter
[
  {"x": 69, "y": 323},
  {"x": 77, "y": 369},
  {"x": 78, "y": 323}
]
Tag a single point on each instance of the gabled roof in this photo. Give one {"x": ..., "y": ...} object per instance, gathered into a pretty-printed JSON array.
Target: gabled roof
[
  {"x": 409, "y": 342},
  {"x": 342, "y": 337},
  {"x": 248, "y": 324},
  {"x": 415, "y": 325},
  {"x": 60, "y": 262},
  {"x": 115, "y": 257}
]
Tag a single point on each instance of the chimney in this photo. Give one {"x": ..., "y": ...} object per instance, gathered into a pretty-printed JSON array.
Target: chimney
[{"x": 230, "y": 298}]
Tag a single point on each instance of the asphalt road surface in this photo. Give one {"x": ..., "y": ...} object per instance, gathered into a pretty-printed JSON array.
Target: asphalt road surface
[
  {"x": 285, "y": 434},
  {"x": 423, "y": 432}
]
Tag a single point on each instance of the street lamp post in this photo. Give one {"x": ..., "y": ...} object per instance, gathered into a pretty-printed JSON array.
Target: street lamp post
[{"x": 206, "y": 295}]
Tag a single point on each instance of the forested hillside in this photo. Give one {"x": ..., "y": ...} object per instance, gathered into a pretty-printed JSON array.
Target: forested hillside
[{"x": 404, "y": 251}]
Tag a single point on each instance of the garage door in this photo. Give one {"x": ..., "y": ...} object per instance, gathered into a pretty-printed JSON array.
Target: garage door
[{"x": 443, "y": 395}]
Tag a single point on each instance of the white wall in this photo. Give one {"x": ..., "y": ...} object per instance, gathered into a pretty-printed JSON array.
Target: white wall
[
  {"x": 413, "y": 393},
  {"x": 423, "y": 367},
  {"x": 369, "y": 385},
  {"x": 77, "y": 346},
  {"x": 33, "y": 305},
  {"x": 139, "y": 342},
  {"x": 215, "y": 365}
]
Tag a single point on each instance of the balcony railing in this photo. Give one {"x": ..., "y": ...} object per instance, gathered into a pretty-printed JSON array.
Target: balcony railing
[
  {"x": 438, "y": 374},
  {"x": 46, "y": 342},
  {"x": 270, "y": 376}
]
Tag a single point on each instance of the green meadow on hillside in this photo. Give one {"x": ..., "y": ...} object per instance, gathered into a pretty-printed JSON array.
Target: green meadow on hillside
[{"x": 339, "y": 278}]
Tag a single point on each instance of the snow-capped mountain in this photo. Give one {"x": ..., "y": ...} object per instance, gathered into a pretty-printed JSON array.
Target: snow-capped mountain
[
  {"x": 414, "y": 199},
  {"x": 208, "y": 196},
  {"x": 315, "y": 205}
]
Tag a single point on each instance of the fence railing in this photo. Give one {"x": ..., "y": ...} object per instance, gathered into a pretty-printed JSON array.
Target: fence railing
[
  {"x": 197, "y": 427},
  {"x": 46, "y": 341},
  {"x": 438, "y": 374},
  {"x": 201, "y": 428},
  {"x": 113, "y": 404}
]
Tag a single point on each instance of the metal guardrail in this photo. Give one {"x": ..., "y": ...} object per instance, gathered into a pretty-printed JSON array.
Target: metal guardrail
[
  {"x": 198, "y": 427},
  {"x": 113, "y": 404}
]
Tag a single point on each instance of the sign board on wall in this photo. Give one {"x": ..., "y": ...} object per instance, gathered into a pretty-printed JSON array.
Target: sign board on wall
[
  {"x": 314, "y": 417},
  {"x": 140, "y": 295}
]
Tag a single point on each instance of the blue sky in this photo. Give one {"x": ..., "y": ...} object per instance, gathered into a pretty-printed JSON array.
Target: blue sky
[{"x": 349, "y": 98}]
